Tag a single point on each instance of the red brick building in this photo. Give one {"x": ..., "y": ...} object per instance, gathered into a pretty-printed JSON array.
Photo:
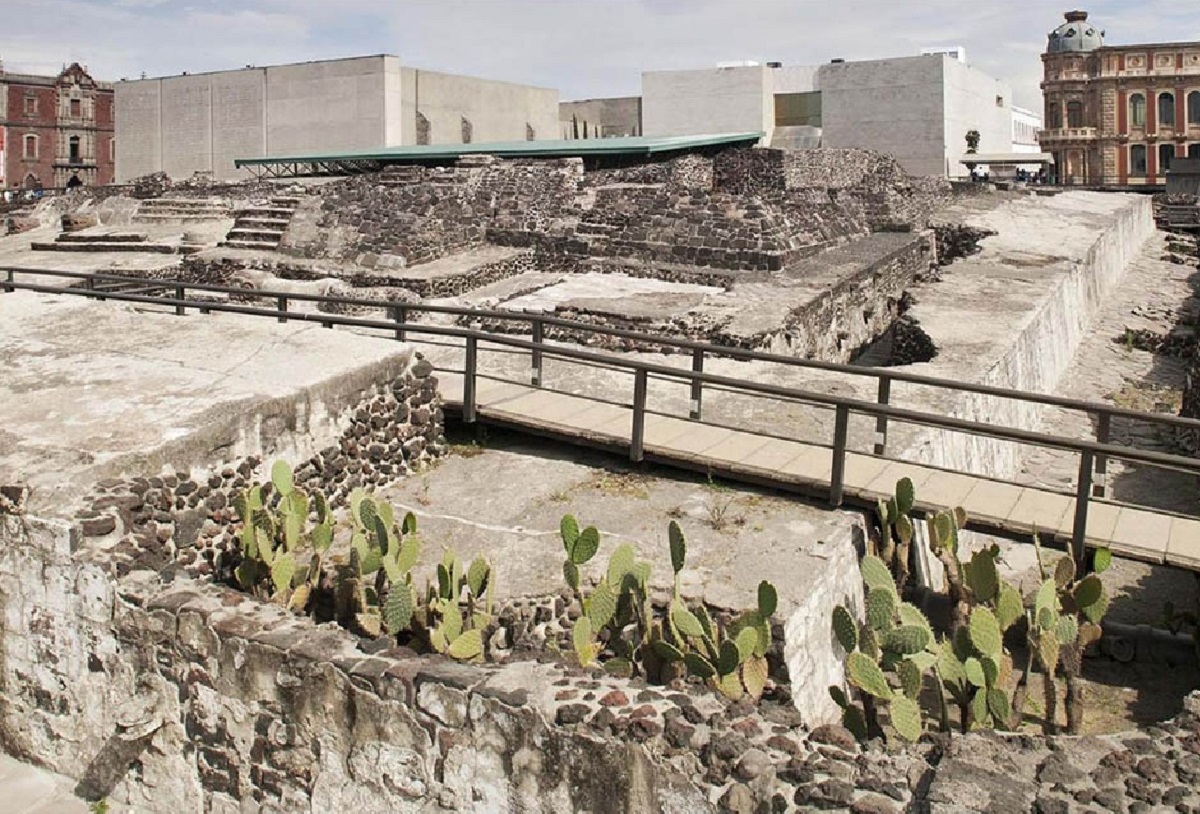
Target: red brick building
[
  {"x": 1117, "y": 115},
  {"x": 54, "y": 129}
]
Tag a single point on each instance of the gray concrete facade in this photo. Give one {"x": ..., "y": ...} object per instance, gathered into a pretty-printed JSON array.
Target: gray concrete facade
[
  {"x": 182, "y": 125},
  {"x": 918, "y": 109},
  {"x": 714, "y": 100}
]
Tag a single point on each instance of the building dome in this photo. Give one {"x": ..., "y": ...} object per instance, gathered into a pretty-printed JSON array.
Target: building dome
[{"x": 1076, "y": 35}]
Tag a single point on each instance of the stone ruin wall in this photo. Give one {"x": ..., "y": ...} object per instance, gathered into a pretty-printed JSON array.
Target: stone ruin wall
[{"x": 191, "y": 697}]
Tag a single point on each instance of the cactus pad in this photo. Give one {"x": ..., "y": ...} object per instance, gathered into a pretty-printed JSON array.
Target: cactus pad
[
  {"x": 876, "y": 574},
  {"x": 845, "y": 629},
  {"x": 602, "y": 605},
  {"x": 906, "y": 717},
  {"x": 1101, "y": 560},
  {"x": 905, "y": 495},
  {"x": 398, "y": 611},
  {"x": 678, "y": 546},
  {"x": 910, "y": 678},
  {"x": 1064, "y": 571},
  {"x": 985, "y": 632},
  {"x": 1091, "y": 598},
  {"x": 754, "y": 676},
  {"x": 768, "y": 599},
  {"x": 907, "y": 640},
  {"x": 467, "y": 647},
  {"x": 981, "y": 576},
  {"x": 881, "y": 605},
  {"x": 866, "y": 675},
  {"x": 1009, "y": 607}
]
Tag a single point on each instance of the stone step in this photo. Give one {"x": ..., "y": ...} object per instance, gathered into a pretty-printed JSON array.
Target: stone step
[
  {"x": 183, "y": 206},
  {"x": 259, "y": 235},
  {"x": 248, "y": 244},
  {"x": 262, "y": 223},
  {"x": 152, "y": 217},
  {"x": 288, "y": 203},
  {"x": 148, "y": 248},
  {"x": 116, "y": 237},
  {"x": 265, "y": 212}
]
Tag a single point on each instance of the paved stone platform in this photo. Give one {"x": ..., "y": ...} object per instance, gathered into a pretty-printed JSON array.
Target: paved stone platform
[
  {"x": 26, "y": 789},
  {"x": 93, "y": 388}
]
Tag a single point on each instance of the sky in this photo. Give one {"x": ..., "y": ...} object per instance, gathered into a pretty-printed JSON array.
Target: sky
[{"x": 584, "y": 48}]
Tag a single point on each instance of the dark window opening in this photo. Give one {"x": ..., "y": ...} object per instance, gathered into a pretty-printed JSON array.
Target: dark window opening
[
  {"x": 31, "y": 146},
  {"x": 1166, "y": 154},
  {"x": 1137, "y": 110},
  {"x": 1193, "y": 107},
  {"x": 1137, "y": 160},
  {"x": 1074, "y": 114},
  {"x": 1166, "y": 109},
  {"x": 73, "y": 149},
  {"x": 1194, "y": 151},
  {"x": 1053, "y": 116}
]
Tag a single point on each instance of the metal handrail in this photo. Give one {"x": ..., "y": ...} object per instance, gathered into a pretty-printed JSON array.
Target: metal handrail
[
  {"x": 1090, "y": 452},
  {"x": 880, "y": 374}
]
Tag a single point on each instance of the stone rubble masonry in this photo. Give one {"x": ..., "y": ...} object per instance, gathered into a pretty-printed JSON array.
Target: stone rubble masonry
[
  {"x": 186, "y": 521},
  {"x": 190, "y": 697}
]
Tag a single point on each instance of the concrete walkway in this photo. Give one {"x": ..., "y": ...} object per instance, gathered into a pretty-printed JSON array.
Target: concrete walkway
[
  {"x": 791, "y": 465},
  {"x": 26, "y": 789}
]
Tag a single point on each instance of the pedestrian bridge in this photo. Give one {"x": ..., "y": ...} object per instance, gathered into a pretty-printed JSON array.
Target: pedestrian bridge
[{"x": 829, "y": 469}]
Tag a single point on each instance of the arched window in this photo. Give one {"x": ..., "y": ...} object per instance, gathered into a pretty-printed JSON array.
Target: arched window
[
  {"x": 1193, "y": 106},
  {"x": 31, "y": 146},
  {"x": 1137, "y": 110},
  {"x": 1074, "y": 113},
  {"x": 1053, "y": 116},
  {"x": 73, "y": 149},
  {"x": 1166, "y": 154},
  {"x": 1166, "y": 109},
  {"x": 1137, "y": 160}
]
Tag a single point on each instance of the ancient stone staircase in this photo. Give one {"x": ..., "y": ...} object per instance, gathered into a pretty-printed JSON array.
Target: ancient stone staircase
[
  {"x": 182, "y": 210},
  {"x": 261, "y": 227}
]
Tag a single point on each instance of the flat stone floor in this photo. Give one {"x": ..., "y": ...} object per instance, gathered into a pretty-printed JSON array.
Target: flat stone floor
[
  {"x": 26, "y": 789},
  {"x": 505, "y": 498},
  {"x": 90, "y": 388}
]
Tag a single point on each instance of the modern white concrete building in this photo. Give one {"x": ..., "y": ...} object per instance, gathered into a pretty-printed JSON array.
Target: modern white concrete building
[
  {"x": 182, "y": 125},
  {"x": 1026, "y": 124},
  {"x": 918, "y": 108}
]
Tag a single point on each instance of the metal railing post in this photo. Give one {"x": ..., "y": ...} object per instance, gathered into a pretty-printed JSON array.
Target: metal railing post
[
  {"x": 282, "y": 303},
  {"x": 469, "y": 380},
  {"x": 697, "y": 385},
  {"x": 637, "y": 437},
  {"x": 1103, "y": 431},
  {"x": 1082, "y": 498},
  {"x": 399, "y": 315},
  {"x": 837, "y": 478},
  {"x": 10, "y": 276},
  {"x": 535, "y": 355},
  {"x": 180, "y": 310},
  {"x": 881, "y": 422}
]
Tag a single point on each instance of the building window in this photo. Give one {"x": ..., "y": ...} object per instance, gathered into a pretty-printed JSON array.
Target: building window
[
  {"x": 1074, "y": 114},
  {"x": 1194, "y": 151},
  {"x": 76, "y": 108},
  {"x": 112, "y": 149},
  {"x": 1137, "y": 160},
  {"x": 31, "y": 105},
  {"x": 1137, "y": 110},
  {"x": 1193, "y": 106},
  {"x": 1053, "y": 116},
  {"x": 73, "y": 150},
  {"x": 31, "y": 146},
  {"x": 1166, "y": 109},
  {"x": 1166, "y": 153}
]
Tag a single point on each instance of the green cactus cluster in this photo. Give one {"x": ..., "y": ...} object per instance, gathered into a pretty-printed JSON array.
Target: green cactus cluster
[
  {"x": 458, "y": 609},
  {"x": 895, "y": 532},
  {"x": 890, "y": 652},
  {"x": 888, "y": 656},
  {"x": 620, "y": 626},
  {"x": 281, "y": 551}
]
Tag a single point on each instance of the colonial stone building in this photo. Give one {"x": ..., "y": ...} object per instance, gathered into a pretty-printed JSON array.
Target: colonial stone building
[
  {"x": 1118, "y": 115},
  {"x": 54, "y": 129}
]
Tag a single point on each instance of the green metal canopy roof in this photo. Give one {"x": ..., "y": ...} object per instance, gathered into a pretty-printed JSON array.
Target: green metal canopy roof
[{"x": 350, "y": 161}]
